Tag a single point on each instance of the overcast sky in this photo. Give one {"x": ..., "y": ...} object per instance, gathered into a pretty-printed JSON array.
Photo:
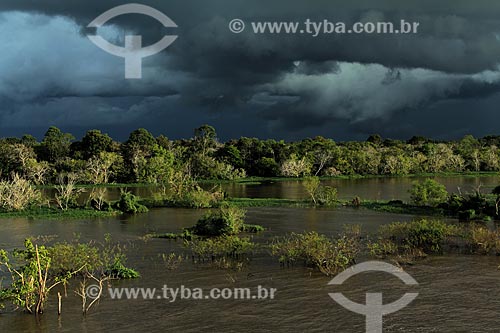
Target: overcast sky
[{"x": 443, "y": 82}]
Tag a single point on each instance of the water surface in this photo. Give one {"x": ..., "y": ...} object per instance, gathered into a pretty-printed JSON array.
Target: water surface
[{"x": 456, "y": 293}]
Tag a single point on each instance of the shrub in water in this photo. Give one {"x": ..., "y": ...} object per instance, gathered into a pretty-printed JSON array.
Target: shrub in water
[
  {"x": 484, "y": 240},
  {"x": 428, "y": 193},
  {"x": 223, "y": 246},
  {"x": 129, "y": 204},
  {"x": 320, "y": 194},
  {"x": 224, "y": 221},
  {"x": 426, "y": 235},
  {"x": 329, "y": 255},
  {"x": 118, "y": 271}
]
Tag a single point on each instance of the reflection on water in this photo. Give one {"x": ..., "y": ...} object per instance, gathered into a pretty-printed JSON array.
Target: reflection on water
[
  {"x": 388, "y": 188},
  {"x": 369, "y": 188},
  {"x": 456, "y": 293}
]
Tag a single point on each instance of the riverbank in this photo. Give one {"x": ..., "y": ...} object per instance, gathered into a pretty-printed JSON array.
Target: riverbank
[
  {"x": 58, "y": 214},
  {"x": 260, "y": 180}
]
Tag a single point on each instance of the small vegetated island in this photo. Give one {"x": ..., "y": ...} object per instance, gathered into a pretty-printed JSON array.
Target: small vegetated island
[{"x": 63, "y": 178}]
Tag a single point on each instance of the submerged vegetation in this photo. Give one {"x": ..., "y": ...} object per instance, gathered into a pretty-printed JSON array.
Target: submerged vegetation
[
  {"x": 35, "y": 270},
  {"x": 402, "y": 242},
  {"x": 78, "y": 171},
  {"x": 320, "y": 194},
  {"x": 428, "y": 193},
  {"x": 177, "y": 168},
  {"x": 408, "y": 241},
  {"x": 225, "y": 221},
  {"x": 329, "y": 255},
  {"x": 222, "y": 251}
]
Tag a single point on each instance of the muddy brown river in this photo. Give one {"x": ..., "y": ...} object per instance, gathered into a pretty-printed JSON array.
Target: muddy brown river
[{"x": 456, "y": 293}]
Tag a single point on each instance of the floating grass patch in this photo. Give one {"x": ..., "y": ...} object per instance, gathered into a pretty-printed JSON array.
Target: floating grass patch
[{"x": 412, "y": 240}]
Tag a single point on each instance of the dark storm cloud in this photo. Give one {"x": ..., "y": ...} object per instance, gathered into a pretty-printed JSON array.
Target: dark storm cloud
[
  {"x": 292, "y": 85},
  {"x": 455, "y": 36}
]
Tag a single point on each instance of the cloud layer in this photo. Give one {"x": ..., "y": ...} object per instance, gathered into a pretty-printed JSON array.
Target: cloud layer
[{"x": 284, "y": 86}]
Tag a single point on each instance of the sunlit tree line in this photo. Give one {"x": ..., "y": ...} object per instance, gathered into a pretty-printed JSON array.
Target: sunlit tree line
[{"x": 143, "y": 158}]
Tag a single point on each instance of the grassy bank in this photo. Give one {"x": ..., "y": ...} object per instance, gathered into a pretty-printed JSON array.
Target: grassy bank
[
  {"x": 57, "y": 214},
  {"x": 258, "y": 180},
  {"x": 398, "y": 207},
  {"x": 268, "y": 202}
]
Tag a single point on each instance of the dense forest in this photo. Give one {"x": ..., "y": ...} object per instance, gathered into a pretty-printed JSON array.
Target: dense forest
[{"x": 98, "y": 159}]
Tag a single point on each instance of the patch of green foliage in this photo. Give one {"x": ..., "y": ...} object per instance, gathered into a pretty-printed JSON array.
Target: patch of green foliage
[
  {"x": 37, "y": 269},
  {"x": 186, "y": 234},
  {"x": 329, "y": 255},
  {"x": 412, "y": 240},
  {"x": 213, "y": 248},
  {"x": 130, "y": 204},
  {"x": 426, "y": 235},
  {"x": 320, "y": 194},
  {"x": 428, "y": 193},
  {"x": 227, "y": 220},
  {"x": 118, "y": 271},
  {"x": 224, "y": 221},
  {"x": 252, "y": 228}
]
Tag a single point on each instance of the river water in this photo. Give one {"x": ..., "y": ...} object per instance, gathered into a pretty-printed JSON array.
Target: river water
[{"x": 456, "y": 293}]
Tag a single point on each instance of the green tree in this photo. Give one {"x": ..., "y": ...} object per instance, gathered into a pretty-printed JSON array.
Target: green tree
[
  {"x": 164, "y": 142},
  {"x": 29, "y": 140},
  {"x": 55, "y": 145},
  {"x": 99, "y": 168},
  {"x": 376, "y": 139},
  {"x": 428, "y": 193},
  {"x": 311, "y": 185},
  {"x": 136, "y": 150},
  {"x": 231, "y": 155},
  {"x": 205, "y": 139},
  {"x": 295, "y": 167},
  {"x": 158, "y": 168},
  {"x": 469, "y": 148},
  {"x": 94, "y": 142}
]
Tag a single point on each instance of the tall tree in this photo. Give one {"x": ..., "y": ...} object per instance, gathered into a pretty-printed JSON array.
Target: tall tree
[
  {"x": 55, "y": 145},
  {"x": 139, "y": 146},
  {"x": 205, "y": 139},
  {"x": 94, "y": 142}
]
